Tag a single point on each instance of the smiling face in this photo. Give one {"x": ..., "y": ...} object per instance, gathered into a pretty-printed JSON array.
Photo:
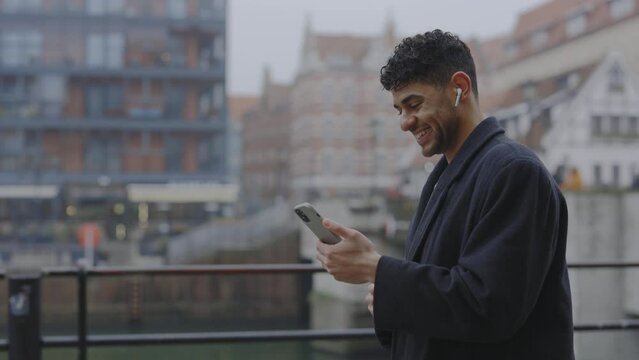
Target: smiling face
[{"x": 429, "y": 115}]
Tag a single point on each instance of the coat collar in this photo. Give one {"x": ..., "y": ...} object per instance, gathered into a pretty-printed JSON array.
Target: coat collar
[
  {"x": 436, "y": 187},
  {"x": 485, "y": 130}
]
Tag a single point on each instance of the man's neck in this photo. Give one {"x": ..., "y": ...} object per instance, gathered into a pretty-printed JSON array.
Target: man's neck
[{"x": 467, "y": 123}]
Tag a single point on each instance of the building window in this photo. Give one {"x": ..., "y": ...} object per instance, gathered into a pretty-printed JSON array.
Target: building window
[
  {"x": 105, "y": 50},
  {"x": 219, "y": 48},
  {"x": 511, "y": 50},
  {"x": 339, "y": 61},
  {"x": 616, "y": 79},
  {"x": 327, "y": 163},
  {"x": 176, "y": 9},
  {"x": 616, "y": 170},
  {"x": 175, "y": 48},
  {"x": 621, "y": 8},
  {"x": 329, "y": 126},
  {"x": 16, "y": 6},
  {"x": 597, "y": 126},
  {"x": 104, "y": 7},
  {"x": 209, "y": 8},
  {"x": 380, "y": 164},
  {"x": 104, "y": 101},
  {"x": 539, "y": 39},
  {"x": 205, "y": 102},
  {"x": 209, "y": 151},
  {"x": 219, "y": 5},
  {"x": 349, "y": 163},
  {"x": 21, "y": 48},
  {"x": 349, "y": 95},
  {"x": 52, "y": 94},
  {"x": 102, "y": 155},
  {"x": 327, "y": 92},
  {"x": 576, "y": 24},
  {"x": 348, "y": 125},
  {"x": 206, "y": 53},
  {"x": 218, "y": 95},
  {"x": 597, "y": 175},
  {"x": 632, "y": 125},
  {"x": 174, "y": 101},
  {"x": 174, "y": 153},
  {"x": 615, "y": 125}
]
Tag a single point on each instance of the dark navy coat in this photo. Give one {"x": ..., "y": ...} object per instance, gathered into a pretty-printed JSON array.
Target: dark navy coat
[{"x": 484, "y": 275}]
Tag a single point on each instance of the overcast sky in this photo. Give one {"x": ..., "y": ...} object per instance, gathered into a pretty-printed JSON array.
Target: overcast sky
[{"x": 269, "y": 32}]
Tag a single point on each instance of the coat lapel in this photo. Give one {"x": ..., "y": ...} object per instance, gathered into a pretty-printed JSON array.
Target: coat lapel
[
  {"x": 422, "y": 208},
  {"x": 433, "y": 196}
]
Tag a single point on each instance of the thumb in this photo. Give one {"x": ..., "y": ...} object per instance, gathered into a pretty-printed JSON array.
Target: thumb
[{"x": 338, "y": 229}]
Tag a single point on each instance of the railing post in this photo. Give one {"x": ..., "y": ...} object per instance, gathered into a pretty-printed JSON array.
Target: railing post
[
  {"x": 24, "y": 317},
  {"x": 82, "y": 313}
]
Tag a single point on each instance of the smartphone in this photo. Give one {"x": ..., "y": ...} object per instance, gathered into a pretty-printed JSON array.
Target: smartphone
[{"x": 313, "y": 220}]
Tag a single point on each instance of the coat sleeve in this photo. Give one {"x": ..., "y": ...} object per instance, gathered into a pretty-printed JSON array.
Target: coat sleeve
[{"x": 493, "y": 288}]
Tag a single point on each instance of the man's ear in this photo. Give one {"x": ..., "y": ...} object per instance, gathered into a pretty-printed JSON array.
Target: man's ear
[{"x": 461, "y": 80}]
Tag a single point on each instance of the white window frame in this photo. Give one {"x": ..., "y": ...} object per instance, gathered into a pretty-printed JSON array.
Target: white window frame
[
  {"x": 176, "y": 9},
  {"x": 577, "y": 24},
  {"x": 21, "y": 47},
  {"x": 16, "y": 6},
  {"x": 621, "y": 8},
  {"x": 539, "y": 39},
  {"x": 105, "y": 50}
]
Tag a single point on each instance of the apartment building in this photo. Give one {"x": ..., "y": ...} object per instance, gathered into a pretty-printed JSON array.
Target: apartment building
[
  {"x": 266, "y": 149},
  {"x": 99, "y": 98},
  {"x": 345, "y": 136},
  {"x": 553, "y": 38}
]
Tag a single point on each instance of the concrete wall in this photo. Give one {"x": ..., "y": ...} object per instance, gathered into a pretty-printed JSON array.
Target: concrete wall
[{"x": 603, "y": 226}]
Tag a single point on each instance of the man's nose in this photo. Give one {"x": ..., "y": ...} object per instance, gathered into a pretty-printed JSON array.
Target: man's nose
[{"x": 407, "y": 122}]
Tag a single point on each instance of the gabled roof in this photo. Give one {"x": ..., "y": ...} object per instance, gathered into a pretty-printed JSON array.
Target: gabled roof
[
  {"x": 538, "y": 90},
  {"x": 550, "y": 17},
  {"x": 488, "y": 54},
  {"x": 342, "y": 45},
  {"x": 547, "y": 14}
]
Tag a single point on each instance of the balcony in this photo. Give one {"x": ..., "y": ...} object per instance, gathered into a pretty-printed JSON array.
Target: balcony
[
  {"x": 60, "y": 178},
  {"x": 214, "y": 73},
  {"x": 113, "y": 124},
  {"x": 215, "y": 23}
]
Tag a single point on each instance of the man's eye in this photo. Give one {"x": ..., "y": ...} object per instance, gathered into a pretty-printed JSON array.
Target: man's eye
[{"x": 414, "y": 106}]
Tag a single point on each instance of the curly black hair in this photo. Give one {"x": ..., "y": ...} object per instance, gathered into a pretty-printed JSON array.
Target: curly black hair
[{"x": 432, "y": 57}]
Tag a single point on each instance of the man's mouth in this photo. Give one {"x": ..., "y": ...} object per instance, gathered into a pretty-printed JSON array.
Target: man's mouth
[{"x": 422, "y": 135}]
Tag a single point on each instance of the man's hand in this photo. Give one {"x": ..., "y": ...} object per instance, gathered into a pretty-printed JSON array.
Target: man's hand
[
  {"x": 352, "y": 260},
  {"x": 370, "y": 297}
]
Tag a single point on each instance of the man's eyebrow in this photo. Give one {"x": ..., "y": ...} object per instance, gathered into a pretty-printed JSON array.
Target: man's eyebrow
[{"x": 410, "y": 98}]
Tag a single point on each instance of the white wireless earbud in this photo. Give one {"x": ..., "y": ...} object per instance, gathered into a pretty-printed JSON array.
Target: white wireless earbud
[{"x": 458, "y": 97}]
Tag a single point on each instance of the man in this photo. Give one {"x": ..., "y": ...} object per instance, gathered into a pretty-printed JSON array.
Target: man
[{"x": 484, "y": 274}]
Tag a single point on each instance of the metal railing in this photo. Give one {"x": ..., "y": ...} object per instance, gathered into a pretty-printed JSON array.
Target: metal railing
[{"x": 82, "y": 341}]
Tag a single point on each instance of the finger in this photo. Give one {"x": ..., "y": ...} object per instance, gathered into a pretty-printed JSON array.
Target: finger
[
  {"x": 321, "y": 247},
  {"x": 338, "y": 229},
  {"x": 322, "y": 259},
  {"x": 369, "y": 299},
  {"x": 371, "y": 288}
]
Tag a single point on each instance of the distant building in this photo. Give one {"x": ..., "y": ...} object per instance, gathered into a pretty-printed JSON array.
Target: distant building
[
  {"x": 345, "y": 136},
  {"x": 97, "y": 96},
  {"x": 266, "y": 149},
  {"x": 239, "y": 106},
  {"x": 554, "y": 38},
  {"x": 587, "y": 119}
]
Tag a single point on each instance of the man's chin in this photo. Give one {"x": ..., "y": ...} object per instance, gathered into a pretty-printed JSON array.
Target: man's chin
[{"x": 428, "y": 151}]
